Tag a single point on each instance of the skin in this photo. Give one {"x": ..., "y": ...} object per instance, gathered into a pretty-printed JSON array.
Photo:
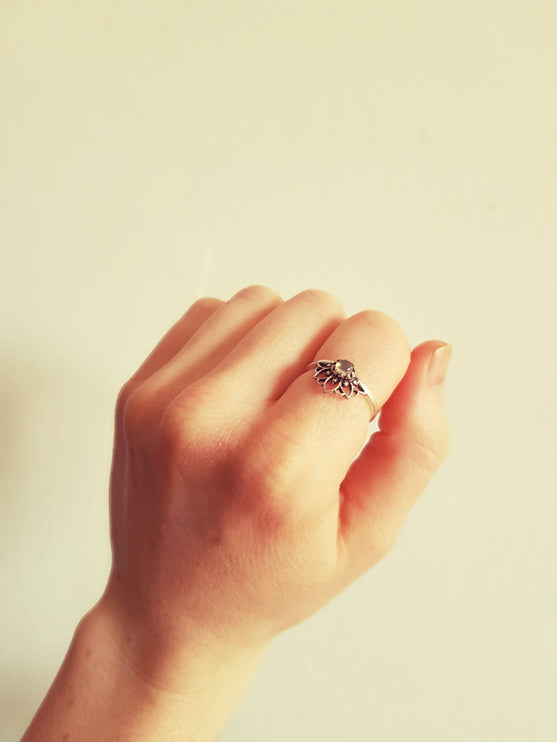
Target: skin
[{"x": 238, "y": 506}]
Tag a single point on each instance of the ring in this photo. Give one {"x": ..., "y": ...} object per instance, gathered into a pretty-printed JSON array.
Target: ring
[{"x": 340, "y": 377}]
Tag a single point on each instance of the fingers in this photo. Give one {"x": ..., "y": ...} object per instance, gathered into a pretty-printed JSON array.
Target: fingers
[
  {"x": 245, "y": 353},
  {"x": 317, "y": 434},
  {"x": 220, "y": 333},
  {"x": 204, "y": 344},
  {"x": 174, "y": 340},
  {"x": 276, "y": 349},
  {"x": 399, "y": 460}
]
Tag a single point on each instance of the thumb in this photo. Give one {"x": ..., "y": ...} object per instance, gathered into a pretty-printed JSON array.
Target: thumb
[{"x": 395, "y": 466}]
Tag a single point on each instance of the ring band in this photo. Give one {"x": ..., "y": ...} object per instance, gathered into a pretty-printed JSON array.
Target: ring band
[{"x": 340, "y": 377}]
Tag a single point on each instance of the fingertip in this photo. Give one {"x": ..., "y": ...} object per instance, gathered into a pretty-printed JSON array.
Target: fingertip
[
  {"x": 439, "y": 365},
  {"x": 429, "y": 363},
  {"x": 427, "y": 348},
  {"x": 416, "y": 405}
]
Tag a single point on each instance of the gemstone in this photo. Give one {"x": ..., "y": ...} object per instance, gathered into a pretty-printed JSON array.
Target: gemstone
[{"x": 343, "y": 368}]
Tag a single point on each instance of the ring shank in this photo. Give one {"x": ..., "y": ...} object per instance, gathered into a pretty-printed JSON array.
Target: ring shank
[{"x": 371, "y": 399}]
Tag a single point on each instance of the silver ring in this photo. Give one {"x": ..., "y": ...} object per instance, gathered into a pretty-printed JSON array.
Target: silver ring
[{"x": 340, "y": 377}]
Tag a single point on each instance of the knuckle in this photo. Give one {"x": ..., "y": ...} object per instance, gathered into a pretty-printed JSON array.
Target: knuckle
[
  {"x": 264, "y": 490},
  {"x": 324, "y": 302},
  {"x": 123, "y": 396},
  {"x": 388, "y": 327},
  {"x": 205, "y": 306},
  {"x": 193, "y": 433},
  {"x": 179, "y": 443},
  {"x": 182, "y": 422},
  {"x": 389, "y": 335},
  {"x": 175, "y": 431},
  {"x": 254, "y": 480},
  {"x": 138, "y": 408},
  {"x": 257, "y": 294}
]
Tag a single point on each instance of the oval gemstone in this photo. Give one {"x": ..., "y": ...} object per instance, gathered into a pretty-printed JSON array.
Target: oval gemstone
[{"x": 343, "y": 367}]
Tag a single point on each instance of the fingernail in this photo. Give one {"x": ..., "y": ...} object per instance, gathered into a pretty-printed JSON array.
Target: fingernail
[{"x": 438, "y": 365}]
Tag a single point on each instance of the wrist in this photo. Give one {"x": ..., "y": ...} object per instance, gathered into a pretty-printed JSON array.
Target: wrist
[{"x": 104, "y": 690}]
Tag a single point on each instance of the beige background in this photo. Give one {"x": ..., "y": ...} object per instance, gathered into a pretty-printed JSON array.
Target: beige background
[{"x": 400, "y": 155}]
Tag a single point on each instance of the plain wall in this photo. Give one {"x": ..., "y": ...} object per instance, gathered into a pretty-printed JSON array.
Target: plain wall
[{"x": 401, "y": 156}]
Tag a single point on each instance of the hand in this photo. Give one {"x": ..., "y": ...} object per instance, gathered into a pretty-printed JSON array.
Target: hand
[{"x": 237, "y": 508}]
